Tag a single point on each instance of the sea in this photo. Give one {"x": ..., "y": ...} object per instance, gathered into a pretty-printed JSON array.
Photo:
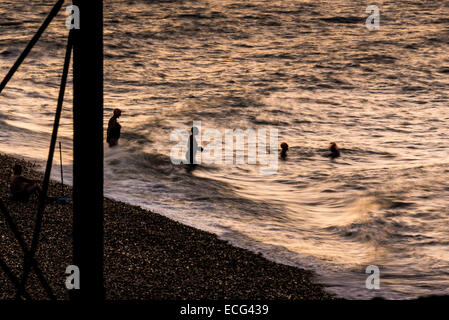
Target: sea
[{"x": 317, "y": 72}]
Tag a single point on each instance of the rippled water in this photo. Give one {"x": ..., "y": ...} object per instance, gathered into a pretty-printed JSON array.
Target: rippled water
[{"x": 312, "y": 70}]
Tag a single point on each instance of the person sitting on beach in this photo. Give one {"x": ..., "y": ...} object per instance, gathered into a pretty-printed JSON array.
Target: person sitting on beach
[
  {"x": 284, "y": 147},
  {"x": 113, "y": 133},
  {"x": 335, "y": 152},
  {"x": 22, "y": 188}
]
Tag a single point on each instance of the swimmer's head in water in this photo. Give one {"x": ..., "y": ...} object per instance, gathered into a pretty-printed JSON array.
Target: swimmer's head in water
[
  {"x": 17, "y": 169},
  {"x": 335, "y": 153},
  {"x": 117, "y": 112},
  {"x": 284, "y": 146},
  {"x": 194, "y": 130}
]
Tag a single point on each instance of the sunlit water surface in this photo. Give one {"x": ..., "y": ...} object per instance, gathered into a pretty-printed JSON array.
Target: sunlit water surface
[{"x": 312, "y": 70}]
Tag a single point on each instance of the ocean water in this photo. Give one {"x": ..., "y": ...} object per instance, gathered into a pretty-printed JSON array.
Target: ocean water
[{"x": 310, "y": 69}]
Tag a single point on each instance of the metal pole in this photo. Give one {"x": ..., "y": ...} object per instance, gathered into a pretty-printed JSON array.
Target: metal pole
[
  {"x": 62, "y": 172},
  {"x": 88, "y": 151}
]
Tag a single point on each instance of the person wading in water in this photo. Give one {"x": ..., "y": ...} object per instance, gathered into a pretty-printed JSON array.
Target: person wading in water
[
  {"x": 114, "y": 128},
  {"x": 284, "y": 147},
  {"x": 192, "y": 148}
]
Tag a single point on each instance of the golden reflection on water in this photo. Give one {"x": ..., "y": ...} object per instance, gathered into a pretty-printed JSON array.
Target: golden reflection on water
[{"x": 382, "y": 96}]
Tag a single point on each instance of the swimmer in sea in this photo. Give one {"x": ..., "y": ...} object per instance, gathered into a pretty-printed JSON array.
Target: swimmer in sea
[
  {"x": 284, "y": 147},
  {"x": 114, "y": 128},
  {"x": 335, "y": 152}
]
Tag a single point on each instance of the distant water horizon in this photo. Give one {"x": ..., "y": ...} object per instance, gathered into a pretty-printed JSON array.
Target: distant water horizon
[{"x": 311, "y": 70}]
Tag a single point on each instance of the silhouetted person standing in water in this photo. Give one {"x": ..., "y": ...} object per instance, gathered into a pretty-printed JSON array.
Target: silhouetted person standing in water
[
  {"x": 22, "y": 188},
  {"x": 284, "y": 147},
  {"x": 335, "y": 153},
  {"x": 192, "y": 147},
  {"x": 114, "y": 128}
]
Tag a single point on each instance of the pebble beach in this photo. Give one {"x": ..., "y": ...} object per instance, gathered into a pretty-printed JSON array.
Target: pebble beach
[{"x": 147, "y": 256}]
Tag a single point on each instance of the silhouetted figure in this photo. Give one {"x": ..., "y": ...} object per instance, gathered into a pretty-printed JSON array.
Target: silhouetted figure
[
  {"x": 192, "y": 147},
  {"x": 335, "y": 153},
  {"x": 284, "y": 147},
  {"x": 22, "y": 188},
  {"x": 114, "y": 128}
]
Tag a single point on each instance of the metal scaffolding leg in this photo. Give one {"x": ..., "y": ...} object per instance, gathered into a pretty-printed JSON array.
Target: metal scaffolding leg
[{"x": 88, "y": 150}]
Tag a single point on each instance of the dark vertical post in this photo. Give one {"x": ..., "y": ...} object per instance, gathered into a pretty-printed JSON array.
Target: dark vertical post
[{"x": 88, "y": 150}]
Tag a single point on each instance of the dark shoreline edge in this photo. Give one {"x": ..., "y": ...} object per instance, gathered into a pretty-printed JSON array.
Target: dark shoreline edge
[{"x": 147, "y": 256}]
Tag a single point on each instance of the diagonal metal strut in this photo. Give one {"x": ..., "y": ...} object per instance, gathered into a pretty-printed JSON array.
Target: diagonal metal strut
[
  {"x": 24, "y": 247},
  {"x": 29, "y": 260},
  {"x": 43, "y": 196},
  {"x": 31, "y": 44}
]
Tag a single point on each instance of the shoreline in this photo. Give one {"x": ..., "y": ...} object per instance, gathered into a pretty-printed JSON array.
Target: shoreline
[{"x": 147, "y": 256}]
